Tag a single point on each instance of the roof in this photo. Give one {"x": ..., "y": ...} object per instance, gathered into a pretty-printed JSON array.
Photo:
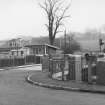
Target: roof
[
  {"x": 21, "y": 49},
  {"x": 51, "y": 46}
]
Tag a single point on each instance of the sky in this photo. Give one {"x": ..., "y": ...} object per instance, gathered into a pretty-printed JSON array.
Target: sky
[{"x": 26, "y": 18}]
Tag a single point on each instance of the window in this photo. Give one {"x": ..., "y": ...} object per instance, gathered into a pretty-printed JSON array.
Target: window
[
  {"x": 10, "y": 44},
  {"x": 39, "y": 49},
  {"x": 15, "y": 44},
  {"x": 34, "y": 51}
]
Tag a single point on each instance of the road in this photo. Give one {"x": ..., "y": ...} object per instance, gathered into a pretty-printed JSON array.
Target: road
[{"x": 14, "y": 90}]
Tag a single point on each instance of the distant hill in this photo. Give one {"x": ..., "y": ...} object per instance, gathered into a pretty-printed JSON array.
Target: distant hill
[
  {"x": 40, "y": 40},
  {"x": 2, "y": 43},
  {"x": 89, "y": 41}
]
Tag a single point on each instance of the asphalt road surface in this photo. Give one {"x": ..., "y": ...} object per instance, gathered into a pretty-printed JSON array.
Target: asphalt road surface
[{"x": 14, "y": 90}]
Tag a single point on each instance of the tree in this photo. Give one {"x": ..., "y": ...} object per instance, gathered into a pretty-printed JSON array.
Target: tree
[{"x": 56, "y": 14}]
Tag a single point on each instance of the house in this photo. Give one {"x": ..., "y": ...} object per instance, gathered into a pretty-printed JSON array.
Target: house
[
  {"x": 41, "y": 49},
  {"x": 13, "y": 48},
  {"x": 17, "y": 43},
  {"x": 19, "y": 53}
]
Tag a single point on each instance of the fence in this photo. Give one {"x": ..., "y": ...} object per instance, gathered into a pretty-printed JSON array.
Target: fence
[
  {"x": 20, "y": 61},
  {"x": 85, "y": 73},
  {"x": 57, "y": 65},
  {"x": 70, "y": 64},
  {"x": 75, "y": 67}
]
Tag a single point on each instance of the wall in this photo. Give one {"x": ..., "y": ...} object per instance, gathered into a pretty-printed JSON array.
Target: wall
[{"x": 51, "y": 50}]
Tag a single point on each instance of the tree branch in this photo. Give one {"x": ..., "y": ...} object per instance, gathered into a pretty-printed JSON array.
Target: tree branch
[{"x": 55, "y": 13}]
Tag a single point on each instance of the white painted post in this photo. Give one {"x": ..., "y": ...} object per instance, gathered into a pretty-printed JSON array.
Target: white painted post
[
  {"x": 45, "y": 49},
  {"x": 78, "y": 68}
]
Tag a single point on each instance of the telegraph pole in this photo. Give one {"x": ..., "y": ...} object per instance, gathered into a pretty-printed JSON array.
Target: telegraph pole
[
  {"x": 69, "y": 42},
  {"x": 65, "y": 40},
  {"x": 60, "y": 42},
  {"x": 63, "y": 62}
]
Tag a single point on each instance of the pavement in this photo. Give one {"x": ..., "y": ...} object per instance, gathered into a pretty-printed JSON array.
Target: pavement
[
  {"x": 37, "y": 67},
  {"x": 42, "y": 79}
]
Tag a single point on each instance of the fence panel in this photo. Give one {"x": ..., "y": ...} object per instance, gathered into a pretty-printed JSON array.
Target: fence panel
[{"x": 20, "y": 61}]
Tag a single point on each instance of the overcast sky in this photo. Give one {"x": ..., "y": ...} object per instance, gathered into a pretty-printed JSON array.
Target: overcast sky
[{"x": 26, "y": 18}]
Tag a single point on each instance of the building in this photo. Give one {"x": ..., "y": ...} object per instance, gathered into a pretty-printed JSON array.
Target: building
[
  {"x": 34, "y": 53},
  {"x": 19, "y": 53},
  {"x": 13, "y": 48},
  {"x": 41, "y": 49},
  {"x": 20, "y": 48},
  {"x": 4, "y": 52},
  {"x": 37, "y": 50}
]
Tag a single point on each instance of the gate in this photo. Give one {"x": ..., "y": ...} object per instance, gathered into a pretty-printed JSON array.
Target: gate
[
  {"x": 56, "y": 64},
  {"x": 85, "y": 74}
]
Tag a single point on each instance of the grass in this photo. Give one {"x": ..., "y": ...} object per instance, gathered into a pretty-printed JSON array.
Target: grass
[{"x": 43, "y": 78}]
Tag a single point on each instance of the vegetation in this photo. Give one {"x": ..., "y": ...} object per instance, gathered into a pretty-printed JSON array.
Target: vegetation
[
  {"x": 70, "y": 45},
  {"x": 75, "y": 46}
]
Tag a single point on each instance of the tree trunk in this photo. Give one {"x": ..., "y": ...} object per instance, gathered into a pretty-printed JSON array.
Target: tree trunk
[{"x": 51, "y": 41}]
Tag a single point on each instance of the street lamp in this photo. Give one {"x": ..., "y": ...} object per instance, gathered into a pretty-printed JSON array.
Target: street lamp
[{"x": 65, "y": 41}]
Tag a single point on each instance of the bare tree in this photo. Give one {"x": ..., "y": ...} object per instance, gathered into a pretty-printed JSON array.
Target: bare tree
[{"x": 56, "y": 14}]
